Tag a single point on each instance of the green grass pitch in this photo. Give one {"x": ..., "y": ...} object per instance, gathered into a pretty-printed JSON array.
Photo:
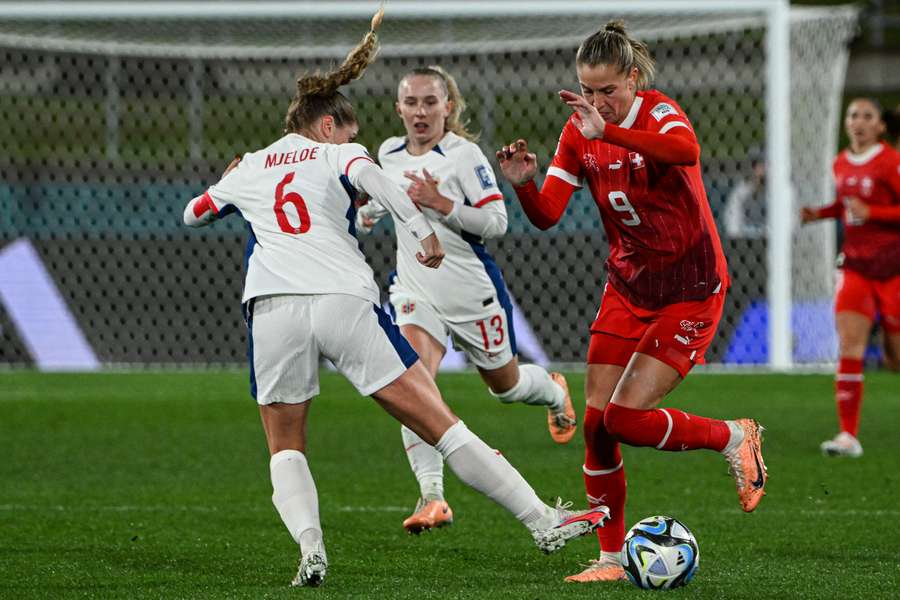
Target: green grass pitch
[{"x": 156, "y": 486}]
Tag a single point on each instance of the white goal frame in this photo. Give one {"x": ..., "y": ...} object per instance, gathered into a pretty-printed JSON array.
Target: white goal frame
[{"x": 780, "y": 213}]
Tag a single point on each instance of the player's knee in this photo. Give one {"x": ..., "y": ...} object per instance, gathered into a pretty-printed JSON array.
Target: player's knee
[{"x": 615, "y": 421}]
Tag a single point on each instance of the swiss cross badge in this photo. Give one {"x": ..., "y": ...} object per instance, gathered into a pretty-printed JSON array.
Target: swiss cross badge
[{"x": 637, "y": 161}]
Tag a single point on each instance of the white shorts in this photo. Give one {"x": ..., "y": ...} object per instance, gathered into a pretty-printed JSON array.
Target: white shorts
[
  {"x": 290, "y": 333},
  {"x": 489, "y": 342}
]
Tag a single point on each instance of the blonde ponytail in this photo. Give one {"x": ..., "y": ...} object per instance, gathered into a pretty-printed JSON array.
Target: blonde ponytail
[{"x": 317, "y": 95}]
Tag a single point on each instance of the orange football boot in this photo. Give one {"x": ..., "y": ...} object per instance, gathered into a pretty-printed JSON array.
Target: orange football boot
[
  {"x": 562, "y": 424},
  {"x": 429, "y": 514},
  {"x": 747, "y": 466},
  {"x": 604, "y": 569}
]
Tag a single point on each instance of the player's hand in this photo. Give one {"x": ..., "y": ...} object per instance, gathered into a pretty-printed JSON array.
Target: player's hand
[
  {"x": 859, "y": 210},
  {"x": 808, "y": 214},
  {"x": 424, "y": 192},
  {"x": 587, "y": 118},
  {"x": 232, "y": 165},
  {"x": 517, "y": 164},
  {"x": 362, "y": 198},
  {"x": 432, "y": 252}
]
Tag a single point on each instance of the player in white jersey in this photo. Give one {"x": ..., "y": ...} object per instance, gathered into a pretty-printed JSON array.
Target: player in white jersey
[
  {"x": 451, "y": 181},
  {"x": 309, "y": 294}
]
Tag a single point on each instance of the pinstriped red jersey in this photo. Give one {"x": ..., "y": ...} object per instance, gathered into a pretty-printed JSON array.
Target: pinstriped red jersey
[{"x": 664, "y": 247}]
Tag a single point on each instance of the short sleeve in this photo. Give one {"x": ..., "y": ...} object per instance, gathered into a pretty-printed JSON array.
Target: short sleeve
[
  {"x": 476, "y": 177},
  {"x": 351, "y": 158},
  {"x": 665, "y": 116},
  {"x": 566, "y": 164}
]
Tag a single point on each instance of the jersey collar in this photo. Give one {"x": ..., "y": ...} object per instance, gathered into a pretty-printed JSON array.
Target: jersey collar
[
  {"x": 864, "y": 157},
  {"x": 633, "y": 113}
]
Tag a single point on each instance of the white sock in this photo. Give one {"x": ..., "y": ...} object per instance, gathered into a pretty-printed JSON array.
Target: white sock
[
  {"x": 426, "y": 463},
  {"x": 736, "y": 437},
  {"x": 611, "y": 556},
  {"x": 295, "y": 498},
  {"x": 534, "y": 387},
  {"x": 485, "y": 470}
]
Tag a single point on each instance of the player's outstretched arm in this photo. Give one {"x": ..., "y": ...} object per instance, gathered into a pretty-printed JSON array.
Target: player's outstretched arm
[
  {"x": 808, "y": 214},
  {"x": 543, "y": 207},
  {"x": 202, "y": 210},
  {"x": 372, "y": 179}
]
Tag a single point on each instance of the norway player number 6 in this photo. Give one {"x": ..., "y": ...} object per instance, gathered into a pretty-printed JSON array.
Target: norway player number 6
[
  {"x": 290, "y": 198},
  {"x": 620, "y": 203}
]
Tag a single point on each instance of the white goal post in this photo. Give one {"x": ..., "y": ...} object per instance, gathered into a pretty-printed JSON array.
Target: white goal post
[{"x": 774, "y": 18}]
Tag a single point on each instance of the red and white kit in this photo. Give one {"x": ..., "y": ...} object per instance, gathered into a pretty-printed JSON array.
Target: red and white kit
[
  {"x": 667, "y": 271},
  {"x": 869, "y": 266}
]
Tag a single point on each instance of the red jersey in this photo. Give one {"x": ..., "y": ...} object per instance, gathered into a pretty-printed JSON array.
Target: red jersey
[
  {"x": 664, "y": 247},
  {"x": 871, "y": 248}
]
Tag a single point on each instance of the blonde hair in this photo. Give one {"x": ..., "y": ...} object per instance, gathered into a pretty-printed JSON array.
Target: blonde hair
[
  {"x": 613, "y": 46},
  {"x": 317, "y": 95},
  {"x": 454, "y": 121}
]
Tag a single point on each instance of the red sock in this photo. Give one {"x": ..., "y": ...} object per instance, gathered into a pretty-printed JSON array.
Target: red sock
[
  {"x": 604, "y": 478},
  {"x": 848, "y": 393},
  {"x": 665, "y": 429}
]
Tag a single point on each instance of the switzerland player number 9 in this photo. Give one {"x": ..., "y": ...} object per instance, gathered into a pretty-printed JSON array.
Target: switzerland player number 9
[{"x": 636, "y": 150}]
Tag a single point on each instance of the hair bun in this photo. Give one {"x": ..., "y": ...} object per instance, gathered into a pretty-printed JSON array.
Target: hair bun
[{"x": 617, "y": 26}]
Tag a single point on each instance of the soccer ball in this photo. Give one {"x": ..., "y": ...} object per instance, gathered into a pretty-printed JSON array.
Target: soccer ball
[{"x": 660, "y": 553}]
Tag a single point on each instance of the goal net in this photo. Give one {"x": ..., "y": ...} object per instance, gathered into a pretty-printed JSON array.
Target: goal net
[{"x": 113, "y": 119}]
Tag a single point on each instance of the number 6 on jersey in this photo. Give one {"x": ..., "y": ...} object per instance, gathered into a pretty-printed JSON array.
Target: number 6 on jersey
[
  {"x": 290, "y": 198},
  {"x": 619, "y": 202}
]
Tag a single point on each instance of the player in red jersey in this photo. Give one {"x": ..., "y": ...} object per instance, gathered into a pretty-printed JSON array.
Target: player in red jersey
[
  {"x": 867, "y": 179},
  {"x": 637, "y": 151}
]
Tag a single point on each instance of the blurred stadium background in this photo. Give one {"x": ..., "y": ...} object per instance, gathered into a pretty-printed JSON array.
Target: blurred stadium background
[{"x": 109, "y": 125}]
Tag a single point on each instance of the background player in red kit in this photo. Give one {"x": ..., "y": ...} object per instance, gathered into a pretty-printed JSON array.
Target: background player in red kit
[
  {"x": 667, "y": 274},
  {"x": 867, "y": 179}
]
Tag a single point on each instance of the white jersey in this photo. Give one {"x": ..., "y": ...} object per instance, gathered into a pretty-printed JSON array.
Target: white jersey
[
  {"x": 468, "y": 284},
  {"x": 297, "y": 197}
]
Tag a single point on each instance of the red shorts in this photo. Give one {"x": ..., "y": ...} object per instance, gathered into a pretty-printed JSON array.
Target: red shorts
[
  {"x": 678, "y": 334},
  {"x": 870, "y": 297}
]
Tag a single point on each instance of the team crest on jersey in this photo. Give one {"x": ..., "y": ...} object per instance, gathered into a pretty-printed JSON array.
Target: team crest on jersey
[
  {"x": 590, "y": 163},
  {"x": 637, "y": 161},
  {"x": 484, "y": 177},
  {"x": 866, "y": 186},
  {"x": 407, "y": 307},
  {"x": 663, "y": 110}
]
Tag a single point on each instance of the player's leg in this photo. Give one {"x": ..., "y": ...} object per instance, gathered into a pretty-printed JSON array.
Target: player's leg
[
  {"x": 426, "y": 463},
  {"x": 892, "y": 351},
  {"x": 855, "y": 307},
  {"x": 889, "y": 307},
  {"x": 415, "y": 401},
  {"x": 532, "y": 384},
  {"x": 676, "y": 339},
  {"x": 603, "y": 468},
  {"x": 489, "y": 343},
  {"x": 369, "y": 350},
  {"x": 285, "y": 378},
  {"x": 615, "y": 334}
]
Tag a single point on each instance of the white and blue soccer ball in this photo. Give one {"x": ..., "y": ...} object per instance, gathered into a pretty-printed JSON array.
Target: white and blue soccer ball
[{"x": 660, "y": 553}]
